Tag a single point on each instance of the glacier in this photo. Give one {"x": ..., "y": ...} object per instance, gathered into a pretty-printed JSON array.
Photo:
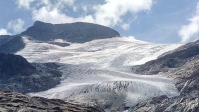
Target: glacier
[{"x": 99, "y": 72}]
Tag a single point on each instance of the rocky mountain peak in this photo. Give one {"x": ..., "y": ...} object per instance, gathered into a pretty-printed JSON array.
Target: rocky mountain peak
[{"x": 79, "y": 32}]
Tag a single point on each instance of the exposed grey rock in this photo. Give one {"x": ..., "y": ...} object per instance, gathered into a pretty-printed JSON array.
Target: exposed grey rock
[
  {"x": 74, "y": 32},
  {"x": 11, "y": 44},
  {"x": 18, "y": 75},
  {"x": 14, "y": 65},
  {"x": 164, "y": 104},
  {"x": 16, "y": 102}
]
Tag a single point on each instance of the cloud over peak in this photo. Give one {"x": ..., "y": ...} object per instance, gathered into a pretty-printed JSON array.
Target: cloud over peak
[{"x": 109, "y": 13}]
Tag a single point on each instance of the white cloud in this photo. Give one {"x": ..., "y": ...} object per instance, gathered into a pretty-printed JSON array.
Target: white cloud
[
  {"x": 84, "y": 8},
  {"x": 131, "y": 37},
  {"x": 53, "y": 3},
  {"x": 88, "y": 19},
  {"x": 4, "y": 32},
  {"x": 187, "y": 31},
  {"x": 24, "y": 3},
  {"x": 51, "y": 16},
  {"x": 52, "y": 11},
  {"x": 58, "y": 4},
  {"x": 67, "y": 2},
  {"x": 75, "y": 9},
  {"x": 16, "y": 25},
  {"x": 125, "y": 26},
  {"x": 55, "y": 17},
  {"x": 110, "y": 13}
]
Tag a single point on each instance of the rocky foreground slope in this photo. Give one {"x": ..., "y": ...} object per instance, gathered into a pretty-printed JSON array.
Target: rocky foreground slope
[
  {"x": 183, "y": 65},
  {"x": 16, "y": 102}
]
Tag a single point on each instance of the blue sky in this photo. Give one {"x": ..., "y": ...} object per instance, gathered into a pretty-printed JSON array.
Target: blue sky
[{"x": 159, "y": 21}]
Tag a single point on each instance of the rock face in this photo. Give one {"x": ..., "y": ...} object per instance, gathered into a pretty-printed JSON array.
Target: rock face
[
  {"x": 183, "y": 65},
  {"x": 18, "y": 75},
  {"x": 11, "y": 44},
  {"x": 14, "y": 65},
  {"x": 175, "y": 59},
  {"x": 164, "y": 104},
  {"x": 15, "y": 102},
  {"x": 75, "y": 32}
]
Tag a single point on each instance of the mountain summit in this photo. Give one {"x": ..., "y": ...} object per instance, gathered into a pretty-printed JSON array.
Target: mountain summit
[{"x": 71, "y": 32}]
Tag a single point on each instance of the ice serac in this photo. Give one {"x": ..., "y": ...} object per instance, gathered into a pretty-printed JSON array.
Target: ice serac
[{"x": 72, "y": 32}]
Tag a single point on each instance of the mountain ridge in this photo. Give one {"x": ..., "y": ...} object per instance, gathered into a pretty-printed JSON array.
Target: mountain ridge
[
  {"x": 79, "y": 32},
  {"x": 56, "y": 34}
]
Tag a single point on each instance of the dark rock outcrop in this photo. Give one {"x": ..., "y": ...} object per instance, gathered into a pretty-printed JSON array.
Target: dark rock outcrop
[
  {"x": 16, "y": 102},
  {"x": 14, "y": 65},
  {"x": 11, "y": 44},
  {"x": 164, "y": 104},
  {"x": 182, "y": 65},
  {"x": 18, "y": 75},
  {"x": 75, "y": 32}
]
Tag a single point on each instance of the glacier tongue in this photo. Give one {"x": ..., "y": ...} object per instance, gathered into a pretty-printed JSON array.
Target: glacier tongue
[
  {"x": 105, "y": 87},
  {"x": 98, "y": 73}
]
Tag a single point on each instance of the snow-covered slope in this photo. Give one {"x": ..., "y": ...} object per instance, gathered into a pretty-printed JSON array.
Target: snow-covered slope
[{"x": 99, "y": 72}]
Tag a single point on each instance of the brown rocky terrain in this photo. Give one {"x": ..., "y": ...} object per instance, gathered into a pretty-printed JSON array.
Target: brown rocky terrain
[{"x": 16, "y": 102}]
